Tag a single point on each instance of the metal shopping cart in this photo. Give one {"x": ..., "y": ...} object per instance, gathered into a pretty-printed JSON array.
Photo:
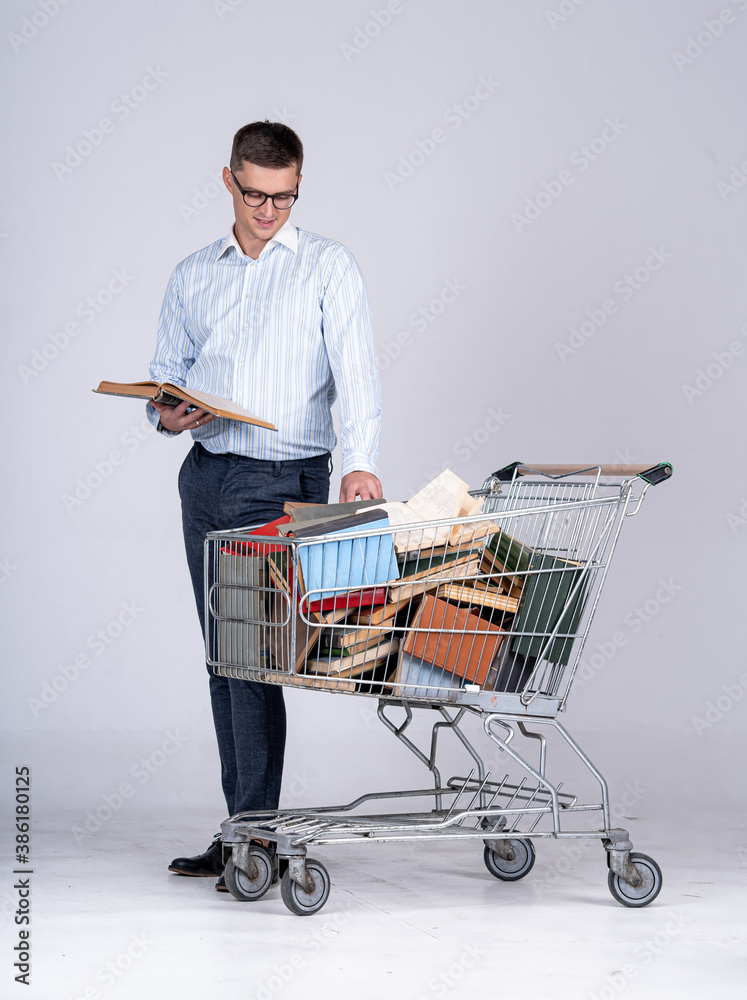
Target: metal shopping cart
[{"x": 483, "y": 618}]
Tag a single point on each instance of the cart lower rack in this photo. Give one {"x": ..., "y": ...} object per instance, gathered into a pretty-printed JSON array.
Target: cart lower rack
[{"x": 481, "y": 619}]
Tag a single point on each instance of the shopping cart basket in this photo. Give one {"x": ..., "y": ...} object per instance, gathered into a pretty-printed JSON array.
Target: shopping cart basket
[{"x": 476, "y": 618}]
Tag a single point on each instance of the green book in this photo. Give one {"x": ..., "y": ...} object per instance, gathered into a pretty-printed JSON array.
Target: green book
[
  {"x": 513, "y": 555},
  {"x": 430, "y": 566},
  {"x": 544, "y": 604}
]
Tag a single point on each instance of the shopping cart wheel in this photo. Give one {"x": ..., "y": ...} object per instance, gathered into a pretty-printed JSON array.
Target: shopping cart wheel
[
  {"x": 646, "y": 892},
  {"x": 511, "y": 869},
  {"x": 301, "y": 902},
  {"x": 240, "y": 885}
]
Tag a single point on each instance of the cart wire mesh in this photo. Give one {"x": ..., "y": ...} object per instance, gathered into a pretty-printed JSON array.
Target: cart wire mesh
[{"x": 490, "y": 611}]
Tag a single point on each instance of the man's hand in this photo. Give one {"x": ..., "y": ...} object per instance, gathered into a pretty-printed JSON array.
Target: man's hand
[
  {"x": 360, "y": 484},
  {"x": 176, "y": 418}
]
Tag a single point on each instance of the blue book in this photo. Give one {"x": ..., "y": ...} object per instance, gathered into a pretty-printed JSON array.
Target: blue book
[
  {"x": 423, "y": 680},
  {"x": 334, "y": 567}
]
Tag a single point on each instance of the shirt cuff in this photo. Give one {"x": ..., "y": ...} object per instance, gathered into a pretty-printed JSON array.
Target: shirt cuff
[
  {"x": 153, "y": 415},
  {"x": 357, "y": 461}
]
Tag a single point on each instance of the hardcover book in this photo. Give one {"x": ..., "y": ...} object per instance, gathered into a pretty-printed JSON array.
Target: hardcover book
[
  {"x": 458, "y": 641},
  {"x": 172, "y": 395}
]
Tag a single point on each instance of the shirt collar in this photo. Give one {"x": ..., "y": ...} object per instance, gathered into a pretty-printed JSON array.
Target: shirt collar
[{"x": 287, "y": 235}]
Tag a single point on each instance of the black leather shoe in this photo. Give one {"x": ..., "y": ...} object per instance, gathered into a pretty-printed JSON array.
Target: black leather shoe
[
  {"x": 206, "y": 865},
  {"x": 220, "y": 885}
]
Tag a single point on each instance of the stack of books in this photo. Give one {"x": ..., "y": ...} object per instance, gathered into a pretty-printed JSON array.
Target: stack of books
[{"x": 412, "y": 599}]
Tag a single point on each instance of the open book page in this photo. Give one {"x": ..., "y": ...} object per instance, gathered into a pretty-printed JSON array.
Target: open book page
[
  {"x": 469, "y": 534},
  {"x": 218, "y": 405},
  {"x": 443, "y": 497},
  {"x": 416, "y": 538},
  {"x": 470, "y": 506}
]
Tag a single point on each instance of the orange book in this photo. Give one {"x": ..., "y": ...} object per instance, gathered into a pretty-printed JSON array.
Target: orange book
[
  {"x": 463, "y": 654},
  {"x": 172, "y": 395}
]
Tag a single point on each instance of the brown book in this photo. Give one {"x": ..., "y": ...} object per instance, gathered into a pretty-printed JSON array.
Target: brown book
[
  {"x": 478, "y": 593},
  {"x": 314, "y": 681},
  {"x": 458, "y": 652},
  {"x": 500, "y": 578},
  {"x": 378, "y": 616},
  {"x": 421, "y": 575},
  {"x": 353, "y": 666},
  {"x": 172, "y": 395},
  {"x": 354, "y": 640}
]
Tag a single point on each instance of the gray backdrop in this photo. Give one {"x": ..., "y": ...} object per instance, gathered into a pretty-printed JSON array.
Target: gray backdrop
[{"x": 547, "y": 199}]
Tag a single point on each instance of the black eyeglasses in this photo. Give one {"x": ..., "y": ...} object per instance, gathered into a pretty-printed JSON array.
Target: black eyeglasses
[{"x": 256, "y": 198}]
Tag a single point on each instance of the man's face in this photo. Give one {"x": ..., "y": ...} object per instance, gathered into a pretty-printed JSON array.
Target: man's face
[{"x": 261, "y": 223}]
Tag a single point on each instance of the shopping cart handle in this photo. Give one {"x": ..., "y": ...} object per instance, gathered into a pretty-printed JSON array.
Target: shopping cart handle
[{"x": 652, "y": 474}]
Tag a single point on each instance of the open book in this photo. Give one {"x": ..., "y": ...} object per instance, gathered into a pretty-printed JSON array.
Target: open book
[
  {"x": 172, "y": 395},
  {"x": 445, "y": 497}
]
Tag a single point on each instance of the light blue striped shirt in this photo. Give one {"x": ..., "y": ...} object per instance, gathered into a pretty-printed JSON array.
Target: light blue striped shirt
[{"x": 282, "y": 336}]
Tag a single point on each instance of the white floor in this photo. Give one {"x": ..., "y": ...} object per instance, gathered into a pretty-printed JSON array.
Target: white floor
[{"x": 400, "y": 922}]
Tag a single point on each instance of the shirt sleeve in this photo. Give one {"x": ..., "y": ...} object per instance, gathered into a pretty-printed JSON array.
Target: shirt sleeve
[
  {"x": 349, "y": 340},
  {"x": 175, "y": 349}
]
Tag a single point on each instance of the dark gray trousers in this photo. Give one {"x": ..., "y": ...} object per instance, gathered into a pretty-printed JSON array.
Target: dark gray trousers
[{"x": 229, "y": 491}]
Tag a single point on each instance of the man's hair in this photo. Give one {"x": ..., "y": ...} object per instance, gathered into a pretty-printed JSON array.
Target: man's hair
[{"x": 267, "y": 144}]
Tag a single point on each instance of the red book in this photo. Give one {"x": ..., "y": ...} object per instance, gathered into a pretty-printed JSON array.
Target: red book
[
  {"x": 355, "y": 599},
  {"x": 251, "y": 548}
]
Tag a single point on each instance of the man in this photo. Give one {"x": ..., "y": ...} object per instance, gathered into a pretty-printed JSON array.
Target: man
[{"x": 276, "y": 319}]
